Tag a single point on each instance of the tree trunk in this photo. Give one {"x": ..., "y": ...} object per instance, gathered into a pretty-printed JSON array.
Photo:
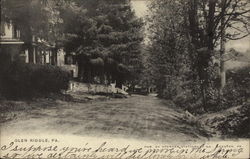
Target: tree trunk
[
  {"x": 211, "y": 23},
  {"x": 193, "y": 21},
  {"x": 222, "y": 50}
]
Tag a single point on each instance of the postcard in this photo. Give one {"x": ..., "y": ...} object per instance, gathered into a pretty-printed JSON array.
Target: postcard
[{"x": 125, "y": 79}]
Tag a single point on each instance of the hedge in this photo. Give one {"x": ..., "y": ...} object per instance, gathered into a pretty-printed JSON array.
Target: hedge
[{"x": 27, "y": 80}]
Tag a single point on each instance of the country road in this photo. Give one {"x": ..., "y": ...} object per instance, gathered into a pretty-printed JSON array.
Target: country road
[{"x": 139, "y": 117}]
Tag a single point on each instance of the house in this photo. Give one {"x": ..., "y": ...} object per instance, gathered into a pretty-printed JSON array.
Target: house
[
  {"x": 41, "y": 52},
  {"x": 70, "y": 64},
  {"x": 38, "y": 51},
  {"x": 67, "y": 62},
  {"x": 45, "y": 53},
  {"x": 11, "y": 46}
]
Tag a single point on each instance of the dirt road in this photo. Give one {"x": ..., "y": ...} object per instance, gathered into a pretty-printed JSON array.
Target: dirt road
[{"x": 140, "y": 117}]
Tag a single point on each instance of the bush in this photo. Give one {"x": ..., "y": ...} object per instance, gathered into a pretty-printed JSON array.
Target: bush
[
  {"x": 236, "y": 91},
  {"x": 241, "y": 80},
  {"x": 237, "y": 122},
  {"x": 24, "y": 80}
]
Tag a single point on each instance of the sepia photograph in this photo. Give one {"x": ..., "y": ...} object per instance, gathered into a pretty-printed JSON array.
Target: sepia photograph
[{"x": 125, "y": 79}]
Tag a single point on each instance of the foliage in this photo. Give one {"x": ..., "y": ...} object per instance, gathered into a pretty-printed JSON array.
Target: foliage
[
  {"x": 183, "y": 37},
  {"x": 107, "y": 30},
  {"x": 26, "y": 80},
  {"x": 237, "y": 124},
  {"x": 235, "y": 92},
  {"x": 98, "y": 29},
  {"x": 238, "y": 86},
  {"x": 231, "y": 122},
  {"x": 168, "y": 54}
]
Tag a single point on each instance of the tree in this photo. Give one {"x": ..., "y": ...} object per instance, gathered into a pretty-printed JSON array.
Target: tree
[
  {"x": 223, "y": 20},
  {"x": 107, "y": 30},
  {"x": 201, "y": 27},
  {"x": 168, "y": 54}
]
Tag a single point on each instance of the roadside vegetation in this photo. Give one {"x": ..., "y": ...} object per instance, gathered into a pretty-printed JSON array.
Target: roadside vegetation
[
  {"x": 187, "y": 55},
  {"x": 22, "y": 80}
]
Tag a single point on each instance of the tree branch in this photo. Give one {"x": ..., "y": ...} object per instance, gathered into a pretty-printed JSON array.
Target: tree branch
[
  {"x": 240, "y": 13},
  {"x": 238, "y": 37}
]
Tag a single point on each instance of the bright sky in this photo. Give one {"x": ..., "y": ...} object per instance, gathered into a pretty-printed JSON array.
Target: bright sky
[
  {"x": 240, "y": 45},
  {"x": 140, "y": 7}
]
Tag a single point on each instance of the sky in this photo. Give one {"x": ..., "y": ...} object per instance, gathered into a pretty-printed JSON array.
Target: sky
[
  {"x": 140, "y": 8},
  {"x": 241, "y": 45}
]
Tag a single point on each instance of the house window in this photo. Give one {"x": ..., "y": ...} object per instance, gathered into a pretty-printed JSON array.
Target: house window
[
  {"x": 70, "y": 60},
  {"x": 15, "y": 32},
  {"x": 18, "y": 33},
  {"x": 2, "y": 29}
]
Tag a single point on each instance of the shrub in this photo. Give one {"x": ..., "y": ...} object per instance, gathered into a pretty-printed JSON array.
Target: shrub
[
  {"x": 236, "y": 91},
  {"x": 241, "y": 80},
  {"x": 24, "y": 80},
  {"x": 236, "y": 123}
]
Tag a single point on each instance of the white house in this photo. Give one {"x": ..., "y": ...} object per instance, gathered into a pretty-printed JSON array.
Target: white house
[
  {"x": 38, "y": 52},
  {"x": 10, "y": 41}
]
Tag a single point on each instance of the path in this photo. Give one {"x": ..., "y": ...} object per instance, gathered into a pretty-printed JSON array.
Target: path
[{"x": 141, "y": 117}]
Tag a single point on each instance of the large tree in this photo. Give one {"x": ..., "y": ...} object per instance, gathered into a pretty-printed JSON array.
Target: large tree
[
  {"x": 212, "y": 23},
  {"x": 109, "y": 31},
  {"x": 190, "y": 32}
]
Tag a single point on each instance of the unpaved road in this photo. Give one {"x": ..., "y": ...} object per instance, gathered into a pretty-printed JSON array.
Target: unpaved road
[{"x": 139, "y": 117}]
